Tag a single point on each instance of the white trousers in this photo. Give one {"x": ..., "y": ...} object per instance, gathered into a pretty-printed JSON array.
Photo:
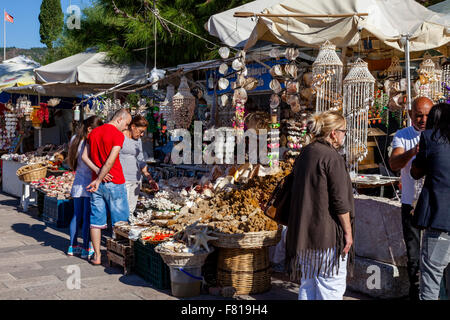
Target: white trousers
[
  {"x": 133, "y": 189},
  {"x": 325, "y": 288}
]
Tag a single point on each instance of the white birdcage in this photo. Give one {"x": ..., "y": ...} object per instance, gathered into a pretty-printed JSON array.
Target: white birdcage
[
  {"x": 395, "y": 69},
  {"x": 446, "y": 78},
  {"x": 358, "y": 97},
  {"x": 430, "y": 80},
  {"x": 327, "y": 74},
  {"x": 183, "y": 105},
  {"x": 167, "y": 106}
]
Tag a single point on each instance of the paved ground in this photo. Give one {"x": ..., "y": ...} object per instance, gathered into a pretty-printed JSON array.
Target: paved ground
[{"x": 33, "y": 265}]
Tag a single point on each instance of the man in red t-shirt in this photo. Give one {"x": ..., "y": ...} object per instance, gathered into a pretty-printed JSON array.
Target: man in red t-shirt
[{"x": 108, "y": 187}]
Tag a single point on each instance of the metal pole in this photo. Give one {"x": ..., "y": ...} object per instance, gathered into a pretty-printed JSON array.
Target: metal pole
[
  {"x": 40, "y": 129},
  {"x": 408, "y": 77},
  {"x": 4, "y": 35}
]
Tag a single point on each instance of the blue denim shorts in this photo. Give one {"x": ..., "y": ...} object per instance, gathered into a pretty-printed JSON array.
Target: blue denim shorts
[{"x": 111, "y": 198}]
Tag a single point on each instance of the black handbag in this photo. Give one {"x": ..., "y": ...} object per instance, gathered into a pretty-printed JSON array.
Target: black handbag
[{"x": 278, "y": 206}]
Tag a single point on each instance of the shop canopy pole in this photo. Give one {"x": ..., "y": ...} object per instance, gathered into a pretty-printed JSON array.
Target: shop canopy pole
[
  {"x": 252, "y": 14},
  {"x": 405, "y": 39}
]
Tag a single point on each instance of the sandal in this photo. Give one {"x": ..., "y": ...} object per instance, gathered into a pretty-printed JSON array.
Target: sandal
[{"x": 91, "y": 261}]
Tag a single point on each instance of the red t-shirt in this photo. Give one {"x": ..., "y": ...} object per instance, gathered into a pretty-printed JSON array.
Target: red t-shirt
[{"x": 101, "y": 141}]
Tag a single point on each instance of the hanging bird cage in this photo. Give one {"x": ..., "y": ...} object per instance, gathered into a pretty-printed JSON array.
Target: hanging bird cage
[
  {"x": 446, "y": 79},
  {"x": 430, "y": 80},
  {"x": 395, "y": 69},
  {"x": 358, "y": 97},
  {"x": 327, "y": 75},
  {"x": 183, "y": 106},
  {"x": 167, "y": 106}
]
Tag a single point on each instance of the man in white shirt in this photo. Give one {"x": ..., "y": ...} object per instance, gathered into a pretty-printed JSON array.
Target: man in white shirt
[{"x": 405, "y": 146}]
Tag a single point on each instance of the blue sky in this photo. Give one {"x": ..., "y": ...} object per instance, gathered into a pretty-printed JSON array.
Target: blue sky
[{"x": 24, "y": 32}]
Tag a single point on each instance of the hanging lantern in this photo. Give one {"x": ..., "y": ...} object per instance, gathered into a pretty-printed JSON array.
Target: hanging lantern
[
  {"x": 166, "y": 107},
  {"x": 395, "y": 69},
  {"x": 327, "y": 78},
  {"x": 446, "y": 80},
  {"x": 430, "y": 80},
  {"x": 183, "y": 105},
  {"x": 358, "y": 97}
]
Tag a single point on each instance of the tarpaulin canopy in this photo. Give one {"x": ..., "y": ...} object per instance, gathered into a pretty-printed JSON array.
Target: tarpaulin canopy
[
  {"x": 387, "y": 20},
  {"x": 90, "y": 68},
  {"x": 17, "y": 71},
  {"x": 234, "y": 32}
]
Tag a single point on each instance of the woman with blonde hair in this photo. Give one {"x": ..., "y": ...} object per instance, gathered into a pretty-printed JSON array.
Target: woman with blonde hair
[{"x": 320, "y": 228}]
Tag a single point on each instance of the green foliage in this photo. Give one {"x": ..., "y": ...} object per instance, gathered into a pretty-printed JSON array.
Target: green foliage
[
  {"x": 51, "y": 19},
  {"x": 129, "y": 35}
]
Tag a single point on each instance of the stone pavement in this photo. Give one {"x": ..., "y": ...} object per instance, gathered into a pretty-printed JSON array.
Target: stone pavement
[{"x": 33, "y": 265}]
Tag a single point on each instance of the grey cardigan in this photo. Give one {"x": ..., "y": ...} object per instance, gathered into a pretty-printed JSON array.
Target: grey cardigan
[{"x": 132, "y": 159}]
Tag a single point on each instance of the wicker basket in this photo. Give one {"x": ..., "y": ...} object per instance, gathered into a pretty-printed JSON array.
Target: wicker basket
[
  {"x": 32, "y": 172},
  {"x": 247, "y": 270},
  {"x": 184, "y": 259},
  {"x": 249, "y": 240}
]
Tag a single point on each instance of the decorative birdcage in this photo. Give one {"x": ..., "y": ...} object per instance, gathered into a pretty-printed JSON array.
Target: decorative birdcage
[
  {"x": 327, "y": 74},
  {"x": 358, "y": 97},
  {"x": 166, "y": 107},
  {"x": 446, "y": 79},
  {"x": 183, "y": 105},
  {"x": 430, "y": 80},
  {"x": 395, "y": 69}
]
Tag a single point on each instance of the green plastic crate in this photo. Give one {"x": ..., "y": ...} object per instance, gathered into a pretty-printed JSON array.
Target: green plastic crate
[{"x": 150, "y": 266}]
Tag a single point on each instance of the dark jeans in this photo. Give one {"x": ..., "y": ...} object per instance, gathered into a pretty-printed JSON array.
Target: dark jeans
[{"x": 411, "y": 235}]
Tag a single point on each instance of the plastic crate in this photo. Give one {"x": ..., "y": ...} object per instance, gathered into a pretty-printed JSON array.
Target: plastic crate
[
  {"x": 57, "y": 213},
  {"x": 150, "y": 266}
]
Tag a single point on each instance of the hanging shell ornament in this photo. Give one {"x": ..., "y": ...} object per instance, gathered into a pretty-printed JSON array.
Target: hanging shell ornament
[
  {"x": 237, "y": 64},
  {"x": 244, "y": 71},
  {"x": 291, "y": 70},
  {"x": 276, "y": 71},
  {"x": 183, "y": 105},
  {"x": 224, "y": 52},
  {"x": 240, "y": 94},
  {"x": 292, "y": 87},
  {"x": 275, "y": 85},
  {"x": 250, "y": 83},
  {"x": 240, "y": 80},
  {"x": 223, "y": 100},
  {"x": 292, "y": 53},
  {"x": 223, "y": 68},
  {"x": 223, "y": 83},
  {"x": 275, "y": 53},
  {"x": 274, "y": 101}
]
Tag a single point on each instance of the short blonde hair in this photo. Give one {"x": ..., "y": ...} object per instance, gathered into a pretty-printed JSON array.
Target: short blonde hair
[{"x": 321, "y": 124}]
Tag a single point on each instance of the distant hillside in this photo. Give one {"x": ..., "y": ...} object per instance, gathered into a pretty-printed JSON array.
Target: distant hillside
[{"x": 37, "y": 54}]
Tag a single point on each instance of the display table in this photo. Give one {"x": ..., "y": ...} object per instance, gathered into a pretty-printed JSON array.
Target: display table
[{"x": 15, "y": 187}]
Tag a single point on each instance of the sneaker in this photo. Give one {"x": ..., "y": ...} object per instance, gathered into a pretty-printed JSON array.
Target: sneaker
[
  {"x": 87, "y": 253},
  {"x": 84, "y": 253},
  {"x": 73, "y": 250}
]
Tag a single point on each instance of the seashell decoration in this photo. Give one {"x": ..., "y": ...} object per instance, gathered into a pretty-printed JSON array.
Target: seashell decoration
[
  {"x": 183, "y": 105},
  {"x": 250, "y": 84},
  {"x": 275, "y": 53},
  {"x": 237, "y": 64},
  {"x": 166, "y": 107},
  {"x": 240, "y": 94},
  {"x": 358, "y": 89},
  {"x": 223, "y": 68},
  {"x": 276, "y": 71},
  {"x": 53, "y": 102},
  {"x": 224, "y": 52},
  {"x": 292, "y": 54},
  {"x": 274, "y": 101},
  {"x": 223, "y": 83},
  {"x": 275, "y": 85},
  {"x": 327, "y": 78},
  {"x": 292, "y": 87},
  {"x": 223, "y": 100},
  {"x": 291, "y": 70}
]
